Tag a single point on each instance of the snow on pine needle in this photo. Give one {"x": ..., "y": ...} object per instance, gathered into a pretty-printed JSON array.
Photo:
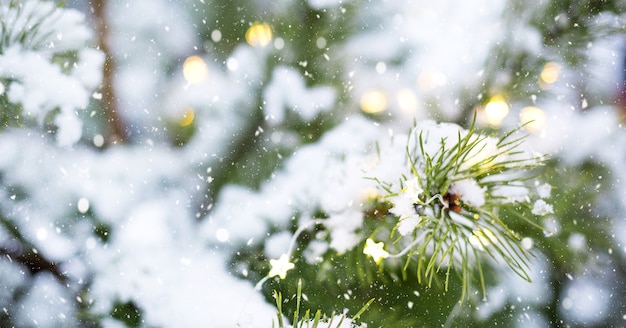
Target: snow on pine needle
[{"x": 455, "y": 202}]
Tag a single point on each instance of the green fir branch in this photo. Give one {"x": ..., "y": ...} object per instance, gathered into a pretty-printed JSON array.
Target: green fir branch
[{"x": 455, "y": 233}]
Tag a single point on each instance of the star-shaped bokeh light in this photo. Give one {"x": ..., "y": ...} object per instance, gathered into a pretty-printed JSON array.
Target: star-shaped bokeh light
[
  {"x": 280, "y": 267},
  {"x": 375, "y": 250}
]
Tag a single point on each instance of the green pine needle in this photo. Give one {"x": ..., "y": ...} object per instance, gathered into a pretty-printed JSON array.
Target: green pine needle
[
  {"x": 306, "y": 320},
  {"x": 454, "y": 233}
]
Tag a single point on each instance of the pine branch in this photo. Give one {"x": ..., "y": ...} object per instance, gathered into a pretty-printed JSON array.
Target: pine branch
[
  {"x": 25, "y": 253},
  {"x": 447, "y": 210}
]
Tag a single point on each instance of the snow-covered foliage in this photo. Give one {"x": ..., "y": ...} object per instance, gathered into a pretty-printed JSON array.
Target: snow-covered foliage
[
  {"x": 327, "y": 176},
  {"x": 452, "y": 200},
  {"x": 46, "y": 66},
  {"x": 260, "y": 147}
]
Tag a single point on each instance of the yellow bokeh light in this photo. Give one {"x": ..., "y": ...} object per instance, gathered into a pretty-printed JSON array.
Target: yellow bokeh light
[
  {"x": 533, "y": 117},
  {"x": 195, "y": 70},
  {"x": 496, "y": 110},
  {"x": 374, "y": 102},
  {"x": 187, "y": 117},
  {"x": 550, "y": 73},
  {"x": 407, "y": 101},
  {"x": 259, "y": 34}
]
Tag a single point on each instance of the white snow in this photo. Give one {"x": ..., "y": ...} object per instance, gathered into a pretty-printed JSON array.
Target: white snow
[
  {"x": 403, "y": 206},
  {"x": 323, "y": 4},
  {"x": 42, "y": 86},
  {"x": 435, "y": 136},
  {"x": 469, "y": 191},
  {"x": 343, "y": 227},
  {"x": 48, "y": 304},
  {"x": 36, "y": 82},
  {"x": 168, "y": 258},
  {"x": 70, "y": 128},
  {"x": 514, "y": 290},
  {"x": 173, "y": 291},
  {"x": 540, "y": 207},
  {"x": 277, "y": 244},
  {"x": 88, "y": 69},
  {"x": 407, "y": 224},
  {"x": 287, "y": 91},
  {"x": 60, "y": 30},
  {"x": 511, "y": 192},
  {"x": 585, "y": 301},
  {"x": 544, "y": 190}
]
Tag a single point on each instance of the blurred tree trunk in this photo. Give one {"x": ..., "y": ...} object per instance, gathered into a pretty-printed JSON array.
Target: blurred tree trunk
[{"x": 116, "y": 129}]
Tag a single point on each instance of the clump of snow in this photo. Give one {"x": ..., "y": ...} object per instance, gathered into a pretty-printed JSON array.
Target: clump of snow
[
  {"x": 469, "y": 191},
  {"x": 343, "y": 226},
  {"x": 327, "y": 176},
  {"x": 402, "y": 206},
  {"x": 59, "y": 29},
  {"x": 413, "y": 189},
  {"x": 277, "y": 244},
  {"x": 287, "y": 90},
  {"x": 70, "y": 128},
  {"x": 88, "y": 69},
  {"x": 36, "y": 82},
  {"x": 513, "y": 192},
  {"x": 540, "y": 207},
  {"x": 39, "y": 85},
  {"x": 190, "y": 288},
  {"x": 390, "y": 160},
  {"x": 239, "y": 215},
  {"x": 407, "y": 224}
]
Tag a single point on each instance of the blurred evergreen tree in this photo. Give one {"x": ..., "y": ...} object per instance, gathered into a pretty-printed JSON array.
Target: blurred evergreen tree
[{"x": 310, "y": 39}]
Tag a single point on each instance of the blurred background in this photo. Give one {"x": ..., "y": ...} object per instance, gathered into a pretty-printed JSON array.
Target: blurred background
[{"x": 217, "y": 125}]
